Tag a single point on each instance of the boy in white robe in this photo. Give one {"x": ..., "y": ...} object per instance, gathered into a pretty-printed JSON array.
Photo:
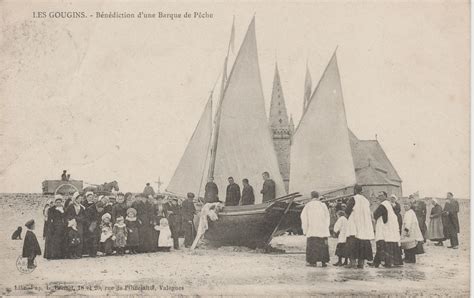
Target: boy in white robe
[
  {"x": 412, "y": 238},
  {"x": 340, "y": 229}
]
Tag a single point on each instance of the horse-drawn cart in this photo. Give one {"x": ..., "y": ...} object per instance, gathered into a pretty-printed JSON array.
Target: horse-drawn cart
[{"x": 52, "y": 187}]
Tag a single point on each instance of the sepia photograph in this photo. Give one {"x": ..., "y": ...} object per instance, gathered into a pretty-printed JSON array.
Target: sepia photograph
[{"x": 208, "y": 148}]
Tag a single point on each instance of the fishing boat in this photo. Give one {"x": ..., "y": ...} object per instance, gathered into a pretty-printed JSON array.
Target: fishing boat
[{"x": 237, "y": 142}]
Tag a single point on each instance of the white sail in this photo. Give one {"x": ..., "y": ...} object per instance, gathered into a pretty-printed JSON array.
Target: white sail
[
  {"x": 244, "y": 147},
  {"x": 321, "y": 157},
  {"x": 188, "y": 176}
]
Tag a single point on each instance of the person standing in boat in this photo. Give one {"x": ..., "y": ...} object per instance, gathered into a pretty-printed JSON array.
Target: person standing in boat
[
  {"x": 188, "y": 210},
  {"x": 451, "y": 221},
  {"x": 359, "y": 229},
  {"x": 211, "y": 191},
  {"x": 64, "y": 175},
  {"x": 315, "y": 225},
  {"x": 268, "y": 190},
  {"x": 248, "y": 197},
  {"x": 232, "y": 196}
]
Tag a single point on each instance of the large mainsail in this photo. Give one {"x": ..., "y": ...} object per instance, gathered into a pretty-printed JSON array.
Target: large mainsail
[
  {"x": 321, "y": 157},
  {"x": 188, "y": 176},
  {"x": 244, "y": 148}
]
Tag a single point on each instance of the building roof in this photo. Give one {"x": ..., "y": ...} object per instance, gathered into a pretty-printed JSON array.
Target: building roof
[
  {"x": 370, "y": 154},
  {"x": 278, "y": 113}
]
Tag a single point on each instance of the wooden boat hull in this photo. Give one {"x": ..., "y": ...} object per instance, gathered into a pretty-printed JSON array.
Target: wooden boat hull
[{"x": 252, "y": 226}]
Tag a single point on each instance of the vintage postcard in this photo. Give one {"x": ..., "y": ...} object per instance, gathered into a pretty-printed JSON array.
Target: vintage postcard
[{"x": 240, "y": 148}]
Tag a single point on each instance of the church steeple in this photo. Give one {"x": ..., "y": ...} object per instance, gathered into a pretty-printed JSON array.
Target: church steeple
[
  {"x": 278, "y": 113},
  {"x": 282, "y": 128}
]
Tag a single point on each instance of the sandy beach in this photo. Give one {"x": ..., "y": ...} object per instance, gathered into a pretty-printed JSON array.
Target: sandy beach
[{"x": 225, "y": 270}]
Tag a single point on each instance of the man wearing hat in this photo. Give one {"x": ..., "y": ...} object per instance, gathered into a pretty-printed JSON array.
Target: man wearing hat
[
  {"x": 173, "y": 213},
  {"x": 188, "y": 210},
  {"x": 31, "y": 247}
]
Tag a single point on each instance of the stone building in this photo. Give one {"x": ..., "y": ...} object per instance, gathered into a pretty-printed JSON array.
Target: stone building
[{"x": 282, "y": 128}]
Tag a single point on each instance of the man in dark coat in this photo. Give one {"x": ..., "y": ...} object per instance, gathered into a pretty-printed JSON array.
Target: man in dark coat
[
  {"x": 187, "y": 211},
  {"x": 232, "y": 196},
  {"x": 211, "y": 192},
  {"x": 173, "y": 213},
  {"x": 451, "y": 221},
  {"x": 268, "y": 190},
  {"x": 64, "y": 176},
  {"x": 92, "y": 228},
  {"x": 148, "y": 190},
  {"x": 56, "y": 232},
  {"x": 248, "y": 197},
  {"x": 31, "y": 247}
]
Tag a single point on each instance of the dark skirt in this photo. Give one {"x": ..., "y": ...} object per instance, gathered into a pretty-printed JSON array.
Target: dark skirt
[
  {"x": 410, "y": 255},
  {"x": 341, "y": 250},
  {"x": 419, "y": 248},
  {"x": 317, "y": 250},
  {"x": 388, "y": 252},
  {"x": 359, "y": 249},
  {"x": 397, "y": 256}
]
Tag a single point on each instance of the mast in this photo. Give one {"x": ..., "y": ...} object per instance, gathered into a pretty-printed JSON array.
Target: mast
[{"x": 215, "y": 134}]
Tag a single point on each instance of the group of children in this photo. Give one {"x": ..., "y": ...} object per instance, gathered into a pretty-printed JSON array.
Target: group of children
[{"x": 121, "y": 236}]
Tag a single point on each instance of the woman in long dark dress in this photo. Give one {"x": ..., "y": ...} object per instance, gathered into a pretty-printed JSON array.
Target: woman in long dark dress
[
  {"x": 152, "y": 240},
  {"x": 48, "y": 204},
  {"x": 435, "y": 229},
  {"x": 56, "y": 233},
  {"x": 145, "y": 231},
  {"x": 76, "y": 211}
]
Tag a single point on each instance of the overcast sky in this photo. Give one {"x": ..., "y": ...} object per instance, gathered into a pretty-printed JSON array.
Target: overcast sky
[{"x": 119, "y": 99}]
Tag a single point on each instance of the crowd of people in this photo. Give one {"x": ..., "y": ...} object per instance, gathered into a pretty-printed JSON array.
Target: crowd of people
[
  {"x": 398, "y": 239},
  {"x": 117, "y": 224},
  {"x": 92, "y": 225}
]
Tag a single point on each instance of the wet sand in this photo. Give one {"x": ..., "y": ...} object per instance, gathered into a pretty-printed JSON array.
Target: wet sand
[{"x": 227, "y": 270}]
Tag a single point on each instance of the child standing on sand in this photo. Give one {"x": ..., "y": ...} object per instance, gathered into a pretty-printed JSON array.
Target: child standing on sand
[
  {"x": 165, "y": 241},
  {"x": 107, "y": 235},
  {"x": 132, "y": 230},
  {"x": 120, "y": 234},
  {"x": 73, "y": 240},
  {"x": 31, "y": 247},
  {"x": 340, "y": 229}
]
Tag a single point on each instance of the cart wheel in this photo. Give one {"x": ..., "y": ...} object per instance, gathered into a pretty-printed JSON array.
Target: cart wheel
[{"x": 66, "y": 189}]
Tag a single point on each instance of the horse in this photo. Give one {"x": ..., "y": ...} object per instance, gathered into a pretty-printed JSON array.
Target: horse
[{"x": 105, "y": 188}]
